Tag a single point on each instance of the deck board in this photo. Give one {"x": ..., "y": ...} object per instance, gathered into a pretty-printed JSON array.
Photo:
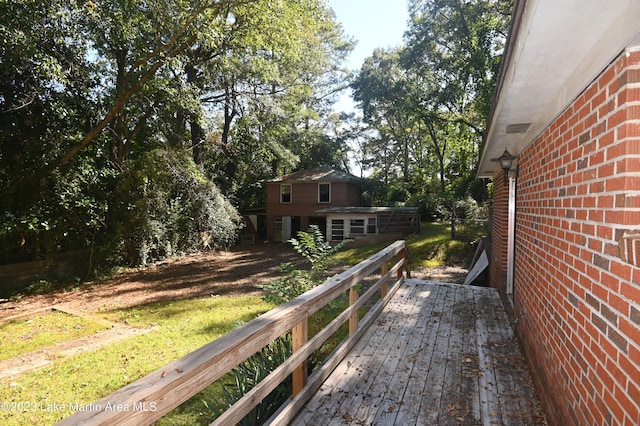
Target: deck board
[{"x": 439, "y": 354}]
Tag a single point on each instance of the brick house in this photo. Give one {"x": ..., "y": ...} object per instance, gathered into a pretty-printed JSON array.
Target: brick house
[
  {"x": 564, "y": 246},
  {"x": 332, "y": 200}
]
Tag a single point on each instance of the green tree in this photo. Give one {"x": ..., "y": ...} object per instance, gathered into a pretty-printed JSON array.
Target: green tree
[
  {"x": 46, "y": 105},
  {"x": 429, "y": 100},
  {"x": 102, "y": 103},
  {"x": 266, "y": 115}
]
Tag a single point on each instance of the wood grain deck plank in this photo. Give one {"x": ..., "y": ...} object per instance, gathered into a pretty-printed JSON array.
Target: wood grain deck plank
[
  {"x": 349, "y": 381},
  {"x": 416, "y": 387},
  {"x": 396, "y": 372},
  {"x": 405, "y": 389},
  {"x": 431, "y": 408},
  {"x": 440, "y": 354},
  {"x": 490, "y": 409},
  {"x": 400, "y": 317},
  {"x": 469, "y": 382}
]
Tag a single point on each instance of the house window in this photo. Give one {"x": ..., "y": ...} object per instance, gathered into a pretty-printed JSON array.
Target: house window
[
  {"x": 371, "y": 225},
  {"x": 324, "y": 192},
  {"x": 277, "y": 223},
  {"x": 357, "y": 227},
  {"x": 285, "y": 193},
  {"x": 337, "y": 229}
]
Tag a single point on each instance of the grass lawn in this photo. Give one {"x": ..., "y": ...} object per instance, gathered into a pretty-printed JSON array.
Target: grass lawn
[
  {"x": 179, "y": 328},
  {"x": 46, "y": 395},
  {"x": 46, "y": 329},
  {"x": 430, "y": 248}
]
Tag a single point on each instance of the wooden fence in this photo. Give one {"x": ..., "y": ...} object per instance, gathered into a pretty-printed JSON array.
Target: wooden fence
[
  {"x": 60, "y": 266},
  {"x": 151, "y": 397}
]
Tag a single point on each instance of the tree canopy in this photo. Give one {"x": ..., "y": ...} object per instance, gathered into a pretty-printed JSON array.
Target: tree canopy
[
  {"x": 143, "y": 127},
  {"x": 137, "y": 125},
  {"x": 426, "y": 102}
]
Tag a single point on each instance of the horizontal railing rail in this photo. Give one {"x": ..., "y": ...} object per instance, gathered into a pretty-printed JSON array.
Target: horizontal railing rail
[{"x": 151, "y": 397}]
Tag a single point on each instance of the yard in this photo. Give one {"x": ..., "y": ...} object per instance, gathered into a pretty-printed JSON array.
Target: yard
[{"x": 62, "y": 351}]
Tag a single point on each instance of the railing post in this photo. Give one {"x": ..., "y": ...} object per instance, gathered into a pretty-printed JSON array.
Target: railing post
[
  {"x": 353, "y": 319},
  {"x": 384, "y": 289},
  {"x": 300, "y": 334},
  {"x": 404, "y": 254},
  {"x": 408, "y": 260}
]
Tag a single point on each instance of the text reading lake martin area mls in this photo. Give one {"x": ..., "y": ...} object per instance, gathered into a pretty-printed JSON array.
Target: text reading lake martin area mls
[{"x": 30, "y": 406}]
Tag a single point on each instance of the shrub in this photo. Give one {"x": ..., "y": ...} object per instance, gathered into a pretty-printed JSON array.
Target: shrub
[
  {"x": 251, "y": 372},
  {"x": 164, "y": 206},
  {"x": 313, "y": 247},
  {"x": 291, "y": 284},
  {"x": 294, "y": 282}
]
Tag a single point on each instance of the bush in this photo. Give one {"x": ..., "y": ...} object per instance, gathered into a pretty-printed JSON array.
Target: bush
[
  {"x": 164, "y": 206},
  {"x": 312, "y": 246},
  {"x": 291, "y": 284},
  {"x": 251, "y": 372}
]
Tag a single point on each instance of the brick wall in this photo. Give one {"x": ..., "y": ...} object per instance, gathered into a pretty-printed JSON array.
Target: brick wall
[
  {"x": 304, "y": 201},
  {"x": 497, "y": 248},
  {"x": 577, "y": 279}
]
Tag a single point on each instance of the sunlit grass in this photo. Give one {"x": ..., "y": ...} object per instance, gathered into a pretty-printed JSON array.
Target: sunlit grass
[
  {"x": 179, "y": 328},
  {"x": 432, "y": 247},
  {"x": 47, "y": 329}
]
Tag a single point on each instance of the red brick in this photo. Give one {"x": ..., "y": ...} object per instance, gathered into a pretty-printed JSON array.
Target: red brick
[
  {"x": 629, "y": 164},
  {"x": 610, "y": 281},
  {"x": 577, "y": 292},
  {"x": 631, "y": 370},
  {"x": 606, "y": 78},
  {"x": 619, "y": 304},
  {"x": 622, "y": 217},
  {"x": 634, "y": 357},
  {"x": 614, "y": 407},
  {"x": 629, "y": 406},
  {"x": 619, "y": 376},
  {"x": 629, "y": 329},
  {"x": 632, "y": 388}
]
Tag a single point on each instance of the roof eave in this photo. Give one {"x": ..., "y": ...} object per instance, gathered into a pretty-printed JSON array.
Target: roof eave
[{"x": 554, "y": 51}]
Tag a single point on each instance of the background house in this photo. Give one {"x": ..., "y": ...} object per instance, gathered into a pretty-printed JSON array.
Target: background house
[
  {"x": 566, "y": 217},
  {"x": 293, "y": 199},
  {"x": 367, "y": 223},
  {"x": 332, "y": 200}
]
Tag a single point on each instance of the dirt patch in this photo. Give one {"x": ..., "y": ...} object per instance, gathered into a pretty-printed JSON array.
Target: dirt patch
[
  {"x": 442, "y": 274},
  {"x": 43, "y": 357},
  {"x": 223, "y": 273}
]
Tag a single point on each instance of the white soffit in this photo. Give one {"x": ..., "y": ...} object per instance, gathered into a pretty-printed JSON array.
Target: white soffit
[{"x": 559, "y": 48}]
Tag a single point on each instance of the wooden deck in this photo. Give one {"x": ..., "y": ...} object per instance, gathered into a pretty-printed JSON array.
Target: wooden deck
[{"x": 438, "y": 354}]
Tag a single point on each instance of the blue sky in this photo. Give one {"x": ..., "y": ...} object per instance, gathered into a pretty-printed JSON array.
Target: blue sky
[{"x": 373, "y": 24}]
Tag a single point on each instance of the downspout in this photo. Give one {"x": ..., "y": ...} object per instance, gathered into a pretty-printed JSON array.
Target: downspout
[{"x": 511, "y": 232}]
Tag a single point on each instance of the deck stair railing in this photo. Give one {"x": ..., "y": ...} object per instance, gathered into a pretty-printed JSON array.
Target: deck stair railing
[{"x": 151, "y": 397}]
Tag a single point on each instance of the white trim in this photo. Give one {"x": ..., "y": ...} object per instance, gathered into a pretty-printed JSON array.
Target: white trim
[
  {"x": 559, "y": 48},
  {"x": 346, "y": 218}
]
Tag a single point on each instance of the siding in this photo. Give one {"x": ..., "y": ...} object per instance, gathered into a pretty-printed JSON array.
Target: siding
[{"x": 577, "y": 289}]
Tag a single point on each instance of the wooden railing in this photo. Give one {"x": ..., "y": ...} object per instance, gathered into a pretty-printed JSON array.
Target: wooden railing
[{"x": 151, "y": 397}]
